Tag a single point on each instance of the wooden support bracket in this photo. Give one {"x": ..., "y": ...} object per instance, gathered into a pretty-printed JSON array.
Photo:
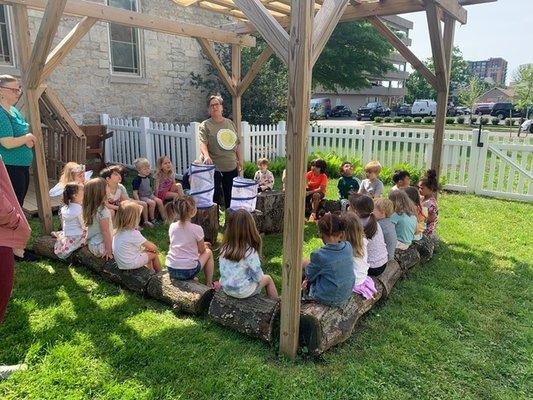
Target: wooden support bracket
[
  {"x": 437, "y": 47},
  {"x": 209, "y": 51},
  {"x": 254, "y": 70}
]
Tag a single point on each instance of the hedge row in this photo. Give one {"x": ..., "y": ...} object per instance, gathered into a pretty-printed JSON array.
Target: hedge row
[{"x": 449, "y": 120}]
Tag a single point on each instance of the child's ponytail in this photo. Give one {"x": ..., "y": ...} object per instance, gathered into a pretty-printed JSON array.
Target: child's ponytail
[
  {"x": 363, "y": 206},
  {"x": 71, "y": 189},
  {"x": 181, "y": 209},
  {"x": 430, "y": 180}
]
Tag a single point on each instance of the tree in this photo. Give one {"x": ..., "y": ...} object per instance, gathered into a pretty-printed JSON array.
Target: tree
[
  {"x": 524, "y": 87},
  {"x": 469, "y": 94}
]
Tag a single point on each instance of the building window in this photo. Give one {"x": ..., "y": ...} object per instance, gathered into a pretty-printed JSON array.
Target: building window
[
  {"x": 125, "y": 43},
  {"x": 6, "y": 44}
]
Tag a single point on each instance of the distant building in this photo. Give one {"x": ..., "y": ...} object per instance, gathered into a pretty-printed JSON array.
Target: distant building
[
  {"x": 389, "y": 89},
  {"x": 493, "y": 70},
  {"x": 497, "y": 95}
]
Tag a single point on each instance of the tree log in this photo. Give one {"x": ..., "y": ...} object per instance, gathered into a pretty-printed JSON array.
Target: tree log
[
  {"x": 189, "y": 297},
  {"x": 271, "y": 204},
  {"x": 84, "y": 257},
  {"x": 390, "y": 276},
  {"x": 253, "y": 316},
  {"x": 207, "y": 218},
  {"x": 44, "y": 246},
  {"x": 407, "y": 258},
  {"x": 132, "y": 279},
  {"x": 425, "y": 248},
  {"x": 323, "y": 326}
]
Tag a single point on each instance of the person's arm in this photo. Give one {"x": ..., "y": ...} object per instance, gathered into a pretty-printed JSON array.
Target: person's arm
[
  {"x": 323, "y": 184},
  {"x": 14, "y": 142},
  {"x": 151, "y": 247},
  {"x": 313, "y": 269},
  {"x": 270, "y": 183},
  {"x": 123, "y": 193},
  {"x": 238, "y": 156},
  {"x": 379, "y": 189},
  {"x": 254, "y": 267},
  {"x": 108, "y": 240},
  {"x": 202, "y": 139},
  {"x": 156, "y": 184},
  {"x": 136, "y": 184},
  {"x": 9, "y": 217}
]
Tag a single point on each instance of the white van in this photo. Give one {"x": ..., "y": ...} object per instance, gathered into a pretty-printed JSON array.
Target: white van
[{"x": 423, "y": 108}]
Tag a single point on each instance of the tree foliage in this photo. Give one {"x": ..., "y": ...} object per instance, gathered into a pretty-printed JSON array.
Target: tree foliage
[
  {"x": 470, "y": 93},
  {"x": 524, "y": 86}
]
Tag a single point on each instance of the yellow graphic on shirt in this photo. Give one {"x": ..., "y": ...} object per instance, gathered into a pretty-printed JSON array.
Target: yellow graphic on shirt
[{"x": 227, "y": 139}]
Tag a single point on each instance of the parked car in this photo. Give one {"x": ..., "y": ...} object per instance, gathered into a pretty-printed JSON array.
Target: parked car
[
  {"x": 341, "y": 111},
  {"x": 483, "y": 108},
  {"x": 320, "y": 108},
  {"x": 460, "y": 110},
  {"x": 404, "y": 110},
  {"x": 424, "y": 108},
  {"x": 505, "y": 110},
  {"x": 372, "y": 110}
]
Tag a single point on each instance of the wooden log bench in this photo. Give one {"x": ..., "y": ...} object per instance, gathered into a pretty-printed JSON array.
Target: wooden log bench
[
  {"x": 407, "y": 259},
  {"x": 425, "y": 247},
  {"x": 254, "y": 316},
  {"x": 323, "y": 326},
  {"x": 207, "y": 218},
  {"x": 390, "y": 276},
  {"x": 271, "y": 203}
]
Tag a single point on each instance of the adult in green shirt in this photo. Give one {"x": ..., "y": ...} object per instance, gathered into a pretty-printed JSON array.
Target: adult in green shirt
[
  {"x": 219, "y": 145},
  {"x": 16, "y": 141}
]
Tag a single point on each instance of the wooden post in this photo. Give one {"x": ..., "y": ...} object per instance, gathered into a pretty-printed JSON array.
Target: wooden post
[
  {"x": 236, "y": 99},
  {"x": 300, "y": 69}
]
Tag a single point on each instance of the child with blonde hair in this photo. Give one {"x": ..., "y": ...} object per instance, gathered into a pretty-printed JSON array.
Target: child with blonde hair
[
  {"x": 130, "y": 248},
  {"x": 403, "y": 218},
  {"x": 355, "y": 235},
  {"x": 74, "y": 234},
  {"x": 72, "y": 172},
  {"x": 263, "y": 177},
  {"x": 187, "y": 254},
  {"x": 165, "y": 181},
  {"x": 428, "y": 187},
  {"x": 383, "y": 209},
  {"x": 421, "y": 211},
  {"x": 372, "y": 186},
  {"x": 241, "y": 275},
  {"x": 97, "y": 217},
  {"x": 142, "y": 189}
]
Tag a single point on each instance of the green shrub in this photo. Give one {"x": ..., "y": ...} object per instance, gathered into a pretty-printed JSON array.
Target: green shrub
[
  {"x": 495, "y": 121},
  {"x": 334, "y": 162},
  {"x": 417, "y": 120},
  {"x": 249, "y": 169},
  {"x": 484, "y": 121},
  {"x": 407, "y": 119},
  {"x": 450, "y": 120},
  {"x": 378, "y": 119},
  {"x": 275, "y": 166},
  {"x": 387, "y": 119},
  {"x": 397, "y": 119},
  {"x": 428, "y": 120},
  {"x": 460, "y": 119},
  {"x": 473, "y": 119}
]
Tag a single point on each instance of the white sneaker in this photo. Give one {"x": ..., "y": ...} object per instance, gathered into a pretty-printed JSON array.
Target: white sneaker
[{"x": 7, "y": 370}]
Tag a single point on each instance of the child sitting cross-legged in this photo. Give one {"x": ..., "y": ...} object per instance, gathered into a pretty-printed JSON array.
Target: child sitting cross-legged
[
  {"x": 187, "y": 254},
  {"x": 329, "y": 273},
  {"x": 364, "y": 285},
  {"x": 372, "y": 186},
  {"x": 130, "y": 248},
  {"x": 74, "y": 234},
  {"x": 401, "y": 180},
  {"x": 421, "y": 211},
  {"x": 317, "y": 183},
  {"x": 403, "y": 218},
  {"x": 347, "y": 183},
  {"x": 165, "y": 181},
  {"x": 241, "y": 275},
  {"x": 97, "y": 217},
  {"x": 383, "y": 209},
  {"x": 428, "y": 187},
  {"x": 142, "y": 189},
  {"x": 263, "y": 177}
]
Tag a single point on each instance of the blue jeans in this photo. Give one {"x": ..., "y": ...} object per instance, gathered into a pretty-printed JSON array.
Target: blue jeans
[{"x": 184, "y": 274}]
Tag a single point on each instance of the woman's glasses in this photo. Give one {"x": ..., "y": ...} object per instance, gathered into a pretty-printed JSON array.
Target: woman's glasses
[{"x": 16, "y": 90}]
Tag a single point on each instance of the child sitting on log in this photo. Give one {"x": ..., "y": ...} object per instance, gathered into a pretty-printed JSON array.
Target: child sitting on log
[
  {"x": 329, "y": 273},
  {"x": 142, "y": 189},
  {"x": 317, "y": 183},
  {"x": 428, "y": 187},
  {"x": 363, "y": 207},
  {"x": 74, "y": 234},
  {"x": 97, "y": 217},
  {"x": 421, "y": 211},
  {"x": 263, "y": 177},
  {"x": 372, "y": 186},
  {"x": 72, "y": 172},
  {"x": 241, "y": 275},
  {"x": 347, "y": 184},
  {"x": 401, "y": 179},
  {"x": 403, "y": 218},
  {"x": 364, "y": 285},
  {"x": 130, "y": 248},
  {"x": 165, "y": 181},
  {"x": 187, "y": 254},
  {"x": 383, "y": 209}
]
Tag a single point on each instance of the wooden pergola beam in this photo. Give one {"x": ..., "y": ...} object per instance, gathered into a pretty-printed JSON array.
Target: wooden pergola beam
[
  {"x": 209, "y": 51},
  {"x": 406, "y": 53},
  {"x": 254, "y": 70},
  {"x": 236, "y": 99},
  {"x": 324, "y": 23},
  {"x": 61, "y": 111},
  {"x": 133, "y": 19},
  {"x": 453, "y": 9},
  {"x": 437, "y": 48}
]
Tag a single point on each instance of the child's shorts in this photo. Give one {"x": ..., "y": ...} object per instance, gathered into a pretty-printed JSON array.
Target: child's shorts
[
  {"x": 184, "y": 274},
  {"x": 97, "y": 249},
  {"x": 141, "y": 260},
  {"x": 151, "y": 197}
]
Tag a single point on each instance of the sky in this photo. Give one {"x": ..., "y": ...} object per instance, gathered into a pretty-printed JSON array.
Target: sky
[{"x": 502, "y": 29}]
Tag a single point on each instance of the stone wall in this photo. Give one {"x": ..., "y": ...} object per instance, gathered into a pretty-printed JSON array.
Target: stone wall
[{"x": 164, "y": 93}]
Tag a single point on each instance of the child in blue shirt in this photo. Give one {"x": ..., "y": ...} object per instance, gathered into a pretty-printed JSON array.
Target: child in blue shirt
[
  {"x": 329, "y": 274},
  {"x": 403, "y": 218}
]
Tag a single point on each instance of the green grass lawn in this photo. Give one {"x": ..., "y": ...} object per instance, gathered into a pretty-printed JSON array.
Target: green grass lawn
[{"x": 458, "y": 327}]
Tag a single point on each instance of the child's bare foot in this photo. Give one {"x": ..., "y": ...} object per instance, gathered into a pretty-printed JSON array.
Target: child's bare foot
[
  {"x": 216, "y": 285},
  {"x": 148, "y": 224}
]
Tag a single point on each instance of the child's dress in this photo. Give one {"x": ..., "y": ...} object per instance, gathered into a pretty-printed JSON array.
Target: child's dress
[
  {"x": 95, "y": 239},
  {"x": 433, "y": 215},
  {"x": 241, "y": 279},
  {"x": 73, "y": 235},
  {"x": 165, "y": 185},
  {"x": 364, "y": 285}
]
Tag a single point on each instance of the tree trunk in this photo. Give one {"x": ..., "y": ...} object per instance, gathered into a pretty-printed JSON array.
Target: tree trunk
[
  {"x": 133, "y": 279},
  {"x": 322, "y": 326},
  {"x": 425, "y": 248},
  {"x": 44, "y": 246},
  {"x": 207, "y": 218},
  {"x": 189, "y": 297},
  {"x": 253, "y": 316},
  {"x": 271, "y": 204},
  {"x": 407, "y": 258},
  {"x": 390, "y": 276}
]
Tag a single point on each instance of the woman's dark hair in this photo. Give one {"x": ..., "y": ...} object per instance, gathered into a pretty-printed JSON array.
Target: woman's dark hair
[
  {"x": 430, "y": 181},
  {"x": 363, "y": 206},
  {"x": 344, "y": 163},
  {"x": 319, "y": 163},
  {"x": 71, "y": 189},
  {"x": 413, "y": 194},
  {"x": 399, "y": 176},
  {"x": 331, "y": 224}
]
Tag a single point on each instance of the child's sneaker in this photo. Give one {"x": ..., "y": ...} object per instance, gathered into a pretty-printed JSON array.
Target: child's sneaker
[{"x": 148, "y": 224}]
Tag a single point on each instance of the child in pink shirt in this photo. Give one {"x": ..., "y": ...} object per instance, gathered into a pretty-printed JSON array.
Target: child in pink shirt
[{"x": 188, "y": 254}]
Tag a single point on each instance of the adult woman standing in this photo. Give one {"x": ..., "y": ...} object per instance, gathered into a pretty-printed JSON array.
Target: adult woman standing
[{"x": 219, "y": 145}]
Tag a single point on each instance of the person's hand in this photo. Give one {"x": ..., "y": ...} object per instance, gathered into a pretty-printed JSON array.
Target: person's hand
[
  {"x": 208, "y": 245},
  {"x": 208, "y": 160},
  {"x": 108, "y": 255},
  {"x": 305, "y": 284},
  {"x": 239, "y": 165},
  {"x": 30, "y": 140}
]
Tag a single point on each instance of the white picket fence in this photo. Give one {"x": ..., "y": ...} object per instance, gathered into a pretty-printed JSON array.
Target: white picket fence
[{"x": 493, "y": 164}]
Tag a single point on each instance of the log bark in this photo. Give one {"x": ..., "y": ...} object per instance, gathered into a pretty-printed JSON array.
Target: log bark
[
  {"x": 271, "y": 204},
  {"x": 425, "y": 247},
  {"x": 254, "y": 316},
  {"x": 407, "y": 258},
  {"x": 189, "y": 297},
  {"x": 207, "y": 218},
  {"x": 44, "y": 246},
  {"x": 84, "y": 257},
  {"x": 323, "y": 326},
  {"x": 390, "y": 276},
  {"x": 133, "y": 279}
]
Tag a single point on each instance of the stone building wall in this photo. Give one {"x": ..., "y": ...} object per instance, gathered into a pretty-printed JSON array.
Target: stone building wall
[{"x": 87, "y": 88}]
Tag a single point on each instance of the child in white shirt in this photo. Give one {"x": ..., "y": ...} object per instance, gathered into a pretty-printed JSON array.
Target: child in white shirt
[
  {"x": 263, "y": 176},
  {"x": 74, "y": 234}
]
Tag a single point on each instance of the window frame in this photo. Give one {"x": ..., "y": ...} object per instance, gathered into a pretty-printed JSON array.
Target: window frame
[{"x": 11, "y": 45}]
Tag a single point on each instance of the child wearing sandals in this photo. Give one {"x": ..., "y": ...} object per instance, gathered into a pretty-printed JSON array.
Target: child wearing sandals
[
  {"x": 130, "y": 248},
  {"x": 187, "y": 254},
  {"x": 421, "y": 211},
  {"x": 165, "y": 181},
  {"x": 74, "y": 234},
  {"x": 97, "y": 217},
  {"x": 241, "y": 275},
  {"x": 427, "y": 187},
  {"x": 329, "y": 273},
  {"x": 364, "y": 285},
  {"x": 403, "y": 218},
  {"x": 142, "y": 189}
]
